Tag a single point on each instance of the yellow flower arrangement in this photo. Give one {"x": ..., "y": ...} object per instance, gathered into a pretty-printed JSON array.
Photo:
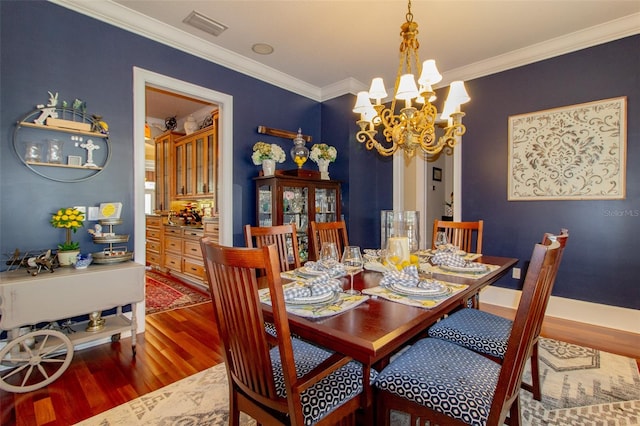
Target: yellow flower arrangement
[
  {"x": 264, "y": 151},
  {"x": 323, "y": 151},
  {"x": 70, "y": 219}
]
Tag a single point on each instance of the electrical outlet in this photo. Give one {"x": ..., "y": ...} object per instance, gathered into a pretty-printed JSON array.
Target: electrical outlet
[{"x": 515, "y": 274}]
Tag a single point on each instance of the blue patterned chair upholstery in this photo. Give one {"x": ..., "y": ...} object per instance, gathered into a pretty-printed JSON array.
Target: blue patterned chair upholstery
[
  {"x": 425, "y": 375},
  {"x": 477, "y": 330},
  {"x": 488, "y": 334},
  {"x": 438, "y": 382},
  {"x": 331, "y": 391}
]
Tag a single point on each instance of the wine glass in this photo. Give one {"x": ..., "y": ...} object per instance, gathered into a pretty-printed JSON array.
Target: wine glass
[
  {"x": 328, "y": 255},
  {"x": 352, "y": 261},
  {"x": 441, "y": 240}
]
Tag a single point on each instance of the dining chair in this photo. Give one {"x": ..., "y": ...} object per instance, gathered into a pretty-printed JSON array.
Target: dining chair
[
  {"x": 322, "y": 232},
  {"x": 438, "y": 382},
  {"x": 460, "y": 234},
  {"x": 283, "y": 236},
  {"x": 488, "y": 334},
  {"x": 291, "y": 383}
]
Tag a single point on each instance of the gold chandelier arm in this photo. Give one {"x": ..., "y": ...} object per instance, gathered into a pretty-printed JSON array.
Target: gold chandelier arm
[{"x": 368, "y": 138}]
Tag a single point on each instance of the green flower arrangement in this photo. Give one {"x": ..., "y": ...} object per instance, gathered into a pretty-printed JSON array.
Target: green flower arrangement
[
  {"x": 69, "y": 219},
  {"x": 264, "y": 151},
  {"x": 323, "y": 151}
]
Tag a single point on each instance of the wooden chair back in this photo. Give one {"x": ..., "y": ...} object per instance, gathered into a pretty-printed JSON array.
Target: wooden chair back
[
  {"x": 460, "y": 234},
  {"x": 232, "y": 274},
  {"x": 322, "y": 232},
  {"x": 543, "y": 268},
  {"x": 283, "y": 236}
]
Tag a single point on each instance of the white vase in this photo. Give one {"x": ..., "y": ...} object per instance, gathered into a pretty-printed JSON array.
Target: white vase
[
  {"x": 323, "y": 166},
  {"x": 190, "y": 125},
  {"x": 68, "y": 258},
  {"x": 268, "y": 167}
]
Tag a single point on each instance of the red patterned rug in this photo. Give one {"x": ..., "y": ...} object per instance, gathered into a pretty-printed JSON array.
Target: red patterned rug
[{"x": 164, "y": 293}]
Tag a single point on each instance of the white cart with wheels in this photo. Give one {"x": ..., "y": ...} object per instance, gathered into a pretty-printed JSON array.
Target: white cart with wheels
[{"x": 37, "y": 358}]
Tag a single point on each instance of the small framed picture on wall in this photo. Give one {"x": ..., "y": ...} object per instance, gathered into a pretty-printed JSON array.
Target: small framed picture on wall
[{"x": 437, "y": 174}]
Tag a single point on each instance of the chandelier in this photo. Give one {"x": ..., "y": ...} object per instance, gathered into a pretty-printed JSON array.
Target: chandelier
[{"x": 414, "y": 126}]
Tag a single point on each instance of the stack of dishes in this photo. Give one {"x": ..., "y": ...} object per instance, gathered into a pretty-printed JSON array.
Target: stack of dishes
[
  {"x": 322, "y": 299},
  {"x": 433, "y": 290},
  {"x": 471, "y": 267},
  {"x": 309, "y": 273}
]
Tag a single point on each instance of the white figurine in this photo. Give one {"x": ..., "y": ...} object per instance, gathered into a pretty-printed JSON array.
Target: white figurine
[
  {"x": 49, "y": 110},
  {"x": 89, "y": 146}
]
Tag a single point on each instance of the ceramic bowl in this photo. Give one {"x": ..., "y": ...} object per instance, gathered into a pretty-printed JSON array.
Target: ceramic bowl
[{"x": 83, "y": 261}]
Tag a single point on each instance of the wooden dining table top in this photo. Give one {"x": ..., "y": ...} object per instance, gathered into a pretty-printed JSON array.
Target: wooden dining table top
[{"x": 374, "y": 330}]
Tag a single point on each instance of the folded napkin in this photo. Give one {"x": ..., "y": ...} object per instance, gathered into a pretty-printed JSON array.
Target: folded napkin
[
  {"x": 293, "y": 293},
  {"x": 323, "y": 284},
  {"x": 448, "y": 258},
  {"x": 408, "y": 277},
  {"x": 334, "y": 269}
]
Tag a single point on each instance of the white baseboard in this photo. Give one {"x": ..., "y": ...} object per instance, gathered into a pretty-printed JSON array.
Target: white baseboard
[{"x": 624, "y": 319}]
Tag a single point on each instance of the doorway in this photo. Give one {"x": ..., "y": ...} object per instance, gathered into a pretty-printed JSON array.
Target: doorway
[{"x": 142, "y": 80}]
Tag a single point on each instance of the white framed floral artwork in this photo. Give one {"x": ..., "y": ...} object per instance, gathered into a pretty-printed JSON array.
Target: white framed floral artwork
[{"x": 576, "y": 152}]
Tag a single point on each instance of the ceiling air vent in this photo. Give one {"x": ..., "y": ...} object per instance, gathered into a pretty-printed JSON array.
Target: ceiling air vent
[{"x": 206, "y": 24}]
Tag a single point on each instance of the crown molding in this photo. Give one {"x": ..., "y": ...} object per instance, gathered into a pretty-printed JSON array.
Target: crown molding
[
  {"x": 119, "y": 16},
  {"x": 137, "y": 23},
  {"x": 589, "y": 37}
]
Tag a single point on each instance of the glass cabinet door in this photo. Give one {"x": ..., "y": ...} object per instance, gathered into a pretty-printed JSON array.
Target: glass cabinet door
[
  {"x": 189, "y": 164},
  {"x": 265, "y": 205},
  {"x": 295, "y": 209},
  {"x": 325, "y": 205},
  {"x": 200, "y": 187},
  {"x": 180, "y": 168},
  {"x": 210, "y": 161}
]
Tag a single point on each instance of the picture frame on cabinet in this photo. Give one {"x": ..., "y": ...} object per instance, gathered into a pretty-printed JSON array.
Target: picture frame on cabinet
[{"x": 437, "y": 174}]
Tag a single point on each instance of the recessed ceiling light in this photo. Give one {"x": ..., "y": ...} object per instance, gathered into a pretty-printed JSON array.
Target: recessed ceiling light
[
  {"x": 204, "y": 23},
  {"x": 262, "y": 49}
]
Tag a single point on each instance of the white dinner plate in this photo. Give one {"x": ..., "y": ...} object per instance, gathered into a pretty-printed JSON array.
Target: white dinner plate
[
  {"x": 307, "y": 272},
  {"x": 436, "y": 291}
]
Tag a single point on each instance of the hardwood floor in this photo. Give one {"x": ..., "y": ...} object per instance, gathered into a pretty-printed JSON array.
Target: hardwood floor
[{"x": 176, "y": 344}]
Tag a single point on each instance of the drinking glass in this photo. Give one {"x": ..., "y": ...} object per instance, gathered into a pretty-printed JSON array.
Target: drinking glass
[
  {"x": 441, "y": 239},
  {"x": 397, "y": 252},
  {"x": 352, "y": 261},
  {"x": 328, "y": 255}
]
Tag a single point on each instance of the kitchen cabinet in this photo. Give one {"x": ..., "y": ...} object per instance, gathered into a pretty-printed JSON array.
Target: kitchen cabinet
[
  {"x": 182, "y": 253},
  {"x": 192, "y": 261},
  {"x": 154, "y": 241},
  {"x": 211, "y": 228},
  {"x": 164, "y": 169},
  {"x": 282, "y": 199},
  {"x": 195, "y": 159},
  {"x": 173, "y": 248}
]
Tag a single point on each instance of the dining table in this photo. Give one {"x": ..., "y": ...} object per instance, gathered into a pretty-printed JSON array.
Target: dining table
[{"x": 373, "y": 331}]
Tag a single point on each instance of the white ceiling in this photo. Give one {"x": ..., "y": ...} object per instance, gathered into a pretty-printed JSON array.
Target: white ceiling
[{"x": 327, "y": 48}]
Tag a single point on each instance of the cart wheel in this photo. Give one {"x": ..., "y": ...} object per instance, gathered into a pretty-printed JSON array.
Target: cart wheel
[
  {"x": 115, "y": 337},
  {"x": 34, "y": 368}
]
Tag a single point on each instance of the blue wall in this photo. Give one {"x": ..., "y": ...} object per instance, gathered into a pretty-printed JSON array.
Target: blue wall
[
  {"x": 601, "y": 260},
  {"x": 79, "y": 57},
  {"x": 83, "y": 58}
]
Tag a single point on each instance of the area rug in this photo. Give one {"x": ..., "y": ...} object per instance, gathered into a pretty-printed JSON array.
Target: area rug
[
  {"x": 202, "y": 399},
  {"x": 164, "y": 293}
]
